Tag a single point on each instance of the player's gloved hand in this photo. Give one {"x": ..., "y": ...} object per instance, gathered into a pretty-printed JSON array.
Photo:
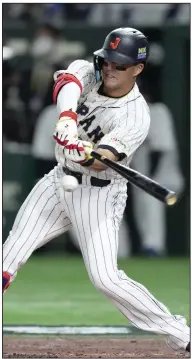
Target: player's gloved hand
[
  {"x": 66, "y": 127},
  {"x": 74, "y": 150}
]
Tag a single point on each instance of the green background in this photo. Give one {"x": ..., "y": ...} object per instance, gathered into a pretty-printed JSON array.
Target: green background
[{"x": 57, "y": 291}]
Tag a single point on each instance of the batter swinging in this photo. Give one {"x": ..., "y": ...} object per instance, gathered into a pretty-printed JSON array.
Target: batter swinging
[{"x": 99, "y": 105}]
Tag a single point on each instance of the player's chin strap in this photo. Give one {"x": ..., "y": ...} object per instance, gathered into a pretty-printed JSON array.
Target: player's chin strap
[{"x": 98, "y": 66}]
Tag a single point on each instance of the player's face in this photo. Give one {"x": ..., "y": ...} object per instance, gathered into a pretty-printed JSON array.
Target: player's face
[{"x": 118, "y": 77}]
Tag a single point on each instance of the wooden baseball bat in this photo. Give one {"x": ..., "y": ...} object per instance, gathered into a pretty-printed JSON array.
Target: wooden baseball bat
[{"x": 137, "y": 179}]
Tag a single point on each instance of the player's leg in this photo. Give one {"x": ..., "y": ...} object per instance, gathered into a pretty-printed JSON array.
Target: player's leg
[
  {"x": 95, "y": 213},
  {"x": 40, "y": 219},
  {"x": 151, "y": 222}
]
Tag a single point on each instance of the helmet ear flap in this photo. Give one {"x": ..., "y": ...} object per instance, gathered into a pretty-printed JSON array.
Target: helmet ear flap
[{"x": 98, "y": 64}]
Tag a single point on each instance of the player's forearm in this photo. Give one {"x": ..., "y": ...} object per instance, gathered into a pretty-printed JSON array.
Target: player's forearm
[
  {"x": 66, "y": 91},
  {"x": 68, "y": 97},
  {"x": 98, "y": 166}
]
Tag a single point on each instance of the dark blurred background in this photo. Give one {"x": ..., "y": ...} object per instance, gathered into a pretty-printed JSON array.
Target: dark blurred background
[{"x": 39, "y": 39}]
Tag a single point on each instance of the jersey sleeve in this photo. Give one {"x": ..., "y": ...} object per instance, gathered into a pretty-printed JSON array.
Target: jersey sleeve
[
  {"x": 124, "y": 140},
  {"x": 84, "y": 71}
]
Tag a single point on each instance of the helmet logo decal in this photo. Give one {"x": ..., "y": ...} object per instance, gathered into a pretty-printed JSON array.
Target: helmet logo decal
[
  {"x": 114, "y": 44},
  {"x": 142, "y": 53}
]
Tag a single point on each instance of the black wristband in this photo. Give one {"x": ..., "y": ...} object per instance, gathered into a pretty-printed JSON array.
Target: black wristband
[{"x": 88, "y": 163}]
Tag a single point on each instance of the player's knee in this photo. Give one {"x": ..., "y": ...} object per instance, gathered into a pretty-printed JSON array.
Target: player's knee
[{"x": 105, "y": 283}]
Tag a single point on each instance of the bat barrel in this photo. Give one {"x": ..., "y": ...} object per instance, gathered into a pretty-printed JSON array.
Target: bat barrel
[
  {"x": 139, "y": 180},
  {"x": 171, "y": 198},
  {"x": 151, "y": 187}
]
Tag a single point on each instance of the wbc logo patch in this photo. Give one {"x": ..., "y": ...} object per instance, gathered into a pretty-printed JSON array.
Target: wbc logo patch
[{"x": 142, "y": 53}]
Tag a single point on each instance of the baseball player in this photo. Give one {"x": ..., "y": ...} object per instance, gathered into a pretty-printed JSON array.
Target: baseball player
[
  {"x": 99, "y": 106},
  {"x": 157, "y": 159}
]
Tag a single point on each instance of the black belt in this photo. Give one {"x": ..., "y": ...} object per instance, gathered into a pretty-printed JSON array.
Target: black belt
[{"x": 97, "y": 182}]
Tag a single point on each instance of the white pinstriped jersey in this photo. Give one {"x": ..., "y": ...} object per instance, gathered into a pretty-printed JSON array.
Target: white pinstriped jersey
[{"x": 120, "y": 123}]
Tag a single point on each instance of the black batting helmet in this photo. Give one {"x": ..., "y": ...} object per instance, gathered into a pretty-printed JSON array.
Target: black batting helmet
[{"x": 124, "y": 46}]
